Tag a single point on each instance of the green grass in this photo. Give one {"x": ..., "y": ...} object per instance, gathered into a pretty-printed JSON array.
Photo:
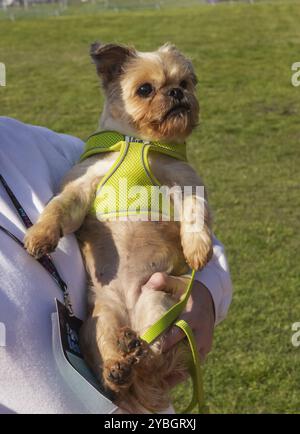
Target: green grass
[{"x": 247, "y": 149}]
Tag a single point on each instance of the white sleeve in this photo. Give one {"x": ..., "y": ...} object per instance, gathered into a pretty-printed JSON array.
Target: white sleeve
[
  {"x": 216, "y": 277},
  {"x": 33, "y": 161}
]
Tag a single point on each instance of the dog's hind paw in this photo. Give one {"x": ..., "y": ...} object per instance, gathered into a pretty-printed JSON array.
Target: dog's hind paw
[
  {"x": 118, "y": 374},
  {"x": 130, "y": 343}
]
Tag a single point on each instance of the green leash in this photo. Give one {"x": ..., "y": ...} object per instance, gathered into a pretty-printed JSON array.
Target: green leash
[{"x": 162, "y": 324}]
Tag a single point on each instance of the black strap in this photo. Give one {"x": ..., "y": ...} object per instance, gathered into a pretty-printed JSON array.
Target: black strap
[{"x": 45, "y": 260}]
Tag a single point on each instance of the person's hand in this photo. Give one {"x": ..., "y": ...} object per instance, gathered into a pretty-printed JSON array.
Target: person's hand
[{"x": 199, "y": 313}]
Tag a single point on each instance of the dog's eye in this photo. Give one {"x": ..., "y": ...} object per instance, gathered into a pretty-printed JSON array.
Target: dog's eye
[
  {"x": 145, "y": 90},
  {"x": 183, "y": 84}
]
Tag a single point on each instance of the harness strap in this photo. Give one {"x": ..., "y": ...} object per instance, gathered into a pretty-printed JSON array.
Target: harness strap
[
  {"x": 111, "y": 141},
  {"x": 128, "y": 187},
  {"x": 162, "y": 324}
]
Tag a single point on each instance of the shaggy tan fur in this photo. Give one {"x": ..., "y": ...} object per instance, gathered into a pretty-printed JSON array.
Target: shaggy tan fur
[{"x": 120, "y": 256}]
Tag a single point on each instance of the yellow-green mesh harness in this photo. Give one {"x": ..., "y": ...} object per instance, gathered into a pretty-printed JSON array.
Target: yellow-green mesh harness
[
  {"x": 133, "y": 170},
  {"x": 132, "y": 165}
]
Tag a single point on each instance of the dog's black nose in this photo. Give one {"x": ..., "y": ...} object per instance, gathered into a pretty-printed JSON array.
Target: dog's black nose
[{"x": 176, "y": 93}]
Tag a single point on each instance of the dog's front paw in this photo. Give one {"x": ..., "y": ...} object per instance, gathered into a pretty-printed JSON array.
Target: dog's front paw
[
  {"x": 197, "y": 248},
  {"x": 41, "y": 239}
]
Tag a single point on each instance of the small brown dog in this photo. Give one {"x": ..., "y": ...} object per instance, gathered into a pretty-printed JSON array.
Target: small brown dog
[{"x": 150, "y": 96}]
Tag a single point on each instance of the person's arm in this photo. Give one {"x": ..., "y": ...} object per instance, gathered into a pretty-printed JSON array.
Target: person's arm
[
  {"x": 216, "y": 278},
  {"x": 207, "y": 306}
]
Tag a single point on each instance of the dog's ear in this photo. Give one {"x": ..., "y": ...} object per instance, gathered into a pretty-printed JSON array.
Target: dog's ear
[{"x": 110, "y": 58}]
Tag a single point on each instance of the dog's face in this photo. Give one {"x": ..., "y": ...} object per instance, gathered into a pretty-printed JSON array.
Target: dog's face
[{"x": 152, "y": 94}]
